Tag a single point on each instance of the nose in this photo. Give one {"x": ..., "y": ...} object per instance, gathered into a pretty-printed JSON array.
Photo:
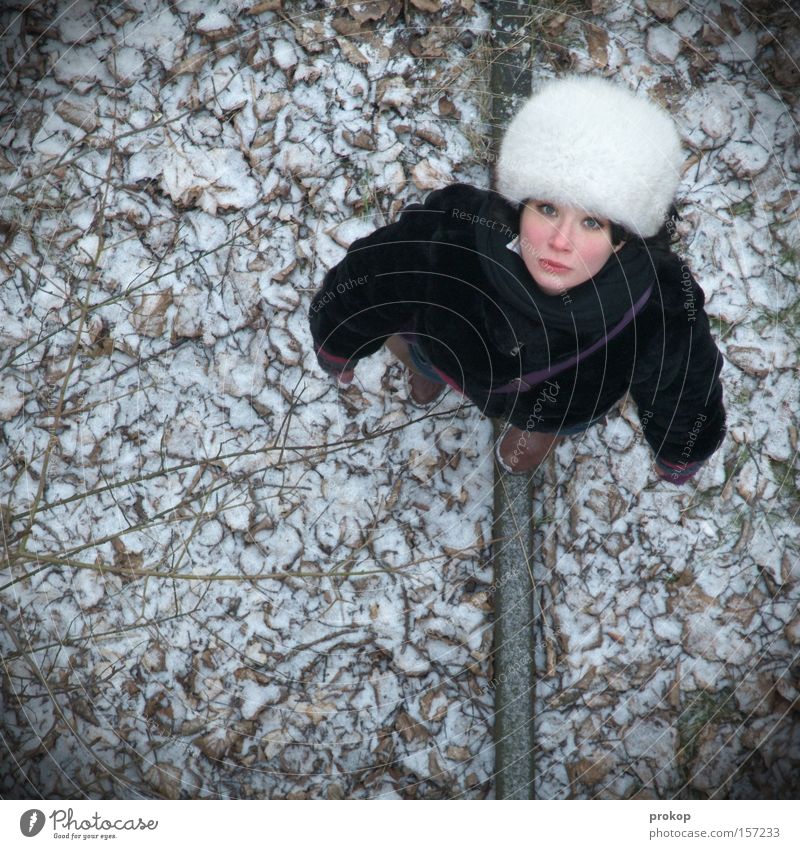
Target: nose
[{"x": 560, "y": 237}]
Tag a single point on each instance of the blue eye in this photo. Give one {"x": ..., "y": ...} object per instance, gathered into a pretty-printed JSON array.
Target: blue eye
[
  {"x": 546, "y": 208},
  {"x": 593, "y": 224}
]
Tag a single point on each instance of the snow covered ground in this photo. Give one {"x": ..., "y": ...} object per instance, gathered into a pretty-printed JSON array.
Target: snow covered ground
[{"x": 222, "y": 577}]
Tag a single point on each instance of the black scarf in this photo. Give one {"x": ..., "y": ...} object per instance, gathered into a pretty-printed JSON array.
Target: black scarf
[{"x": 548, "y": 326}]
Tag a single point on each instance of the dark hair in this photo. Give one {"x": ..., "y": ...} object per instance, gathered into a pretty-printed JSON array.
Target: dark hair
[{"x": 663, "y": 239}]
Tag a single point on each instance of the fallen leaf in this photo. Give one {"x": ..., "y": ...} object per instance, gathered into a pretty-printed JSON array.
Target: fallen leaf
[
  {"x": 372, "y": 10},
  {"x": 148, "y": 316},
  {"x": 597, "y": 43},
  {"x": 666, "y": 9},
  {"x": 393, "y": 92},
  {"x": 263, "y": 6},
  {"x": 427, "y": 5},
  {"x": 190, "y": 65},
  {"x": 361, "y": 139},
  {"x": 351, "y": 52},
  {"x": 427, "y": 176},
  {"x": 447, "y": 108},
  {"x": 432, "y": 137},
  {"x": 458, "y": 753},
  {"x": 166, "y": 780},
  {"x": 409, "y": 729},
  {"x": 77, "y": 115}
]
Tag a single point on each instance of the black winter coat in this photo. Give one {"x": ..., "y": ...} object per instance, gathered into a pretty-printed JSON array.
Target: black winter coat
[{"x": 444, "y": 271}]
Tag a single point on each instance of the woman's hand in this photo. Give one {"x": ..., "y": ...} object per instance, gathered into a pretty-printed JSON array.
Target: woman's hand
[
  {"x": 344, "y": 378},
  {"x": 676, "y": 473},
  {"x": 337, "y": 367}
]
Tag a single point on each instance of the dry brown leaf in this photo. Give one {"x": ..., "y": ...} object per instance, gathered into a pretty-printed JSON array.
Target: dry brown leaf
[
  {"x": 482, "y": 600},
  {"x": 409, "y": 729},
  {"x": 588, "y": 771},
  {"x": 268, "y": 105},
  {"x": 727, "y": 20},
  {"x": 351, "y": 52},
  {"x": 361, "y": 139},
  {"x": 263, "y": 6},
  {"x": 786, "y": 73},
  {"x": 216, "y": 34},
  {"x": 247, "y": 673},
  {"x": 447, "y": 108},
  {"x": 749, "y": 359},
  {"x": 190, "y": 727},
  {"x": 458, "y": 753},
  {"x": 790, "y": 566},
  {"x": 165, "y": 779},
  {"x": 393, "y": 92},
  {"x": 431, "y": 136},
  {"x": 427, "y": 176},
  {"x": 280, "y": 276},
  {"x": 317, "y": 711},
  {"x": 214, "y": 745},
  {"x": 788, "y": 197},
  {"x": 311, "y": 36},
  {"x": 123, "y": 558},
  {"x": 335, "y": 791},
  {"x": 742, "y": 608},
  {"x": 345, "y": 25},
  {"x": 427, "y": 5},
  {"x": 710, "y": 34},
  {"x": 433, "y": 44},
  {"x": 597, "y": 44},
  {"x": 148, "y": 317},
  {"x": 430, "y": 711},
  {"x": 666, "y": 9},
  {"x": 375, "y": 41},
  {"x": 154, "y": 658},
  {"x": 159, "y": 709},
  {"x": 77, "y": 115},
  {"x": 371, "y": 10},
  {"x": 555, "y": 25},
  {"x": 190, "y": 65}
]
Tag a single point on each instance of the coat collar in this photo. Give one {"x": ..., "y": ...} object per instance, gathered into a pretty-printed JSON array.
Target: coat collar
[{"x": 582, "y": 314}]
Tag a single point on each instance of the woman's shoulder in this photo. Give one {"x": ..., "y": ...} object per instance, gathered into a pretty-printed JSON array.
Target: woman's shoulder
[
  {"x": 678, "y": 289},
  {"x": 457, "y": 195},
  {"x": 464, "y": 202},
  {"x": 466, "y": 209},
  {"x": 451, "y": 206}
]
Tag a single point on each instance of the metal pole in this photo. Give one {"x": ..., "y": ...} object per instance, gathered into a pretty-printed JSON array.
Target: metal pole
[{"x": 514, "y": 677}]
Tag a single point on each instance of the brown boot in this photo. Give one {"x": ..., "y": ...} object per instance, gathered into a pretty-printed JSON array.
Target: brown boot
[
  {"x": 520, "y": 452},
  {"x": 422, "y": 391}
]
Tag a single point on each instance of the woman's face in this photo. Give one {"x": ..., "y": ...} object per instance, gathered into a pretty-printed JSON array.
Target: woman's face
[{"x": 563, "y": 246}]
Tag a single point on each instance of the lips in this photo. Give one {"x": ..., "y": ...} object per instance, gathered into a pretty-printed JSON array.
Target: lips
[{"x": 552, "y": 265}]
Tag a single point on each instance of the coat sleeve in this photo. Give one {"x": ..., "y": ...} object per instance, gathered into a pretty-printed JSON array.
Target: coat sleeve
[
  {"x": 677, "y": 388},
  {"x": 377, "y": 289}
]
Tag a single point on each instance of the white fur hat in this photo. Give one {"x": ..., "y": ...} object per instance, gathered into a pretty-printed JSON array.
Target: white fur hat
[{"x": 591, "y": 143}]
